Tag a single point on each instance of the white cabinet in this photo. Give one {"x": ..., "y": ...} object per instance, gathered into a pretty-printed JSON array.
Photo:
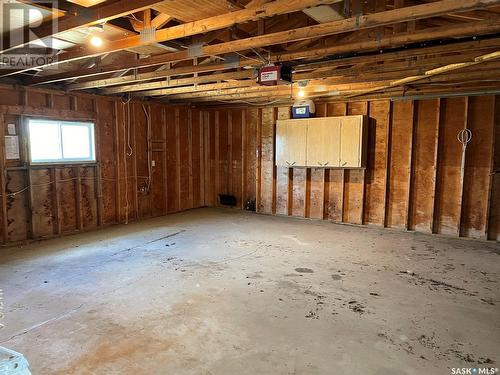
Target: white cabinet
[
  {"x": 329, "y": 142},
  {"x": 291, "y": 143},
  {"x": 323, "y": 142}
]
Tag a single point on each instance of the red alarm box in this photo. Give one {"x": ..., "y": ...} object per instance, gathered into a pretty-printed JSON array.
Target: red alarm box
[{"x": 272, "y": 75}]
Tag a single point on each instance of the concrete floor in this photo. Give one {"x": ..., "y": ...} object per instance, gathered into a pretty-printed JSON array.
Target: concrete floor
[{"x": 219, "y": 291}]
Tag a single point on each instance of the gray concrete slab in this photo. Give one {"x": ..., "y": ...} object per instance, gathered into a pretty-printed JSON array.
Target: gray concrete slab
[{"x": 219, "y": 291}]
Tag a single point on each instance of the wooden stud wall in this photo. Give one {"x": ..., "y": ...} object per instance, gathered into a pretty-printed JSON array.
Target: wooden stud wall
[
  {"x": 71, "y": 198},
  {"x": 417, "y": 178},
  {"x": 414, "y": 179}
]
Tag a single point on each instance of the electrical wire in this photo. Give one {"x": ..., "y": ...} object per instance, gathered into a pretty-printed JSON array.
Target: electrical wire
[
  {"x": 464, "y": 137},
  {"x": 14, "y": 193},
  {"x": 148, "y": 136}
]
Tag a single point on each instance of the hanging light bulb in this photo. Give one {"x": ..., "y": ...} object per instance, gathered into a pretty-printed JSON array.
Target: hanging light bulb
[
  {"x": 301, "y": 93},
  {"x": 96, "y": 41}
]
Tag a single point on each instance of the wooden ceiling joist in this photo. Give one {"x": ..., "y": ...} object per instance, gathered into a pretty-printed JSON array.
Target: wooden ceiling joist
[
  {"x": 475, "y": 28},
  {"x": 364, "y": 49},
  {"x": 436, "y": 71}
]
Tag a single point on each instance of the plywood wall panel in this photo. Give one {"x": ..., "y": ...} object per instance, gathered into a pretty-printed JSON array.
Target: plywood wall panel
[
  {"x": 317, "y": 180},
  {"x": 62, "y": 102},
  {"x": 251, "y": 152},
  {"x": 317, "y": 189},
  {"x": 105, "y": 131},
  {"x": 354, "y": 178},
  {"x": 449, "y": 181},
  {"x": 173, "y": 194},
  {"x": 184, "y": 158},
  {"x": 400, "y": 156},
  {"x": 267, "y": 161},
  {"x": 67, "y": 199},
  {"x": 140, "y": 120},
  {"x": 426, "y": 135},
  {"x": 299, "y": 187},
  {"x": 478, "y": 159},
  {"x": 236, "y": 160},
  {"x": 88, "y": 197},
  {"x": 196, "y": 159},
  {"x": 223, "y": 153},
  {"x": 334, "y": 181},
  {"x": 376, "y": 173},
  {"x": 37, "y": 99},
  {"x": 159, "y": 162},
  {"x": 10, "y": 96},
  {"x": 212, "y": 143},
  {"x": 87, "y": 104},
  {"x": 494, "y": 209},
  {"x": 43, "y": 214},
  {"x": 282, "y": 175},
  {"x": 18, "y": 220}
]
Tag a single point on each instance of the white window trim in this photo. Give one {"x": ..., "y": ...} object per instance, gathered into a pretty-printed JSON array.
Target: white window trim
[{"x": 88, "y": 124}]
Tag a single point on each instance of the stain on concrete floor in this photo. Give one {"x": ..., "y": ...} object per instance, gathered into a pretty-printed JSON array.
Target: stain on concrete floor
[{"x": 208, "y": 292}]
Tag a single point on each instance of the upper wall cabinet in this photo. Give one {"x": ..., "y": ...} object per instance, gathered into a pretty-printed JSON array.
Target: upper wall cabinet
[
  {"x": 323, "y": 142},
  {"x": 327, "y": 142},
  {"x": 290, "y": 143}
]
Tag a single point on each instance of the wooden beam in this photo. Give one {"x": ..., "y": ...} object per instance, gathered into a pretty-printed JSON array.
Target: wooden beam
[
  {"x": 160, "y": 20},
  {"x": 180, "y": 82}
]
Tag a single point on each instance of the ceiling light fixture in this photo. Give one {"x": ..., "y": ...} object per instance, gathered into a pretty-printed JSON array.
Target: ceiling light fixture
[{"x": 301, "y": 93}]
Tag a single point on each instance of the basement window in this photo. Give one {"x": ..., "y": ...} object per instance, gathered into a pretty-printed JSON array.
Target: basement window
[{"x": 61, "y": 141}]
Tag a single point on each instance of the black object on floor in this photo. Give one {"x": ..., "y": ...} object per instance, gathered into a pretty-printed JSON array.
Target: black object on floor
[
  {"x": 250, "y": 205},
  {"x": 227, "y": 200}
]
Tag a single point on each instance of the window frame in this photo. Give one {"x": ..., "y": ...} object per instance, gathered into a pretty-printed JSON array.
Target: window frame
[{"x": 89, "y": 124}]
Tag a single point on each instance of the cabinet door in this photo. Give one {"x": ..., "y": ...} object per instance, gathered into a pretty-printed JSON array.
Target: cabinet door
[
  {"x": 323, "y": 142},
  {"x": 297, "y": 145},
  {"x": 281, "y": 143},
  {"x": 350, "y": 149},
  {"x": 291, "y": 143}
]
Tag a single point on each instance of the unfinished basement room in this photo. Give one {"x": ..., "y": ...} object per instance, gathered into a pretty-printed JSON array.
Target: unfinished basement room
[{"x": 250, "y": 187}]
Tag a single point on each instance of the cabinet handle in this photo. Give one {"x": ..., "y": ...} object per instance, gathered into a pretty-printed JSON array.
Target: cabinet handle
[
  {"x": 287, "y": 163},
  {"x": 344, "y": 163},
  {"x": 293, "y": 163},
  {"x": 320, "y": 164},
  {"x": 324, "y": 165}
]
